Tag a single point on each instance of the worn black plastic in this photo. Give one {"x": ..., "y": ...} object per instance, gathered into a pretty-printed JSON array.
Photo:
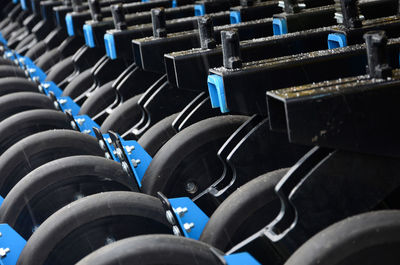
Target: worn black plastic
[
  {"x": 118, "y": 14},
  {"x": 231, "y": 49},
  {"x": 158, "y": 22},
  {"x": 378, "y": 66},
  {"x": 206, "y": 32},
  {"x": 95, "y": 10},
  {"x": 349, "y": 12}
]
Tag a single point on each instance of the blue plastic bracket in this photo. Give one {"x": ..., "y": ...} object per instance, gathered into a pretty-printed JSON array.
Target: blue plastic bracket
[
  {"x": 133, "y": 158},
  {"x": 70, "y": 25},
  {"x": 11, "y": 245},
  {"x": 139, "y": 159},
  {"x": 33, "y": 70},
  {"x": 108, "y": 148},
  {"x": 337, "y": 40},
  {"x": 110, "y": 46},
  {"x": 67, "y": 104},
  {"x": 51, "y": 87},
  {"x": 217, "y": 92},
  {"x": 199, "y": 10},
  {"x": 88, "y": 33},
  {"x": 279, "y": 26},
  {"x": 190, "y": 217},
  {"x": 25, "y": 62},
  {"x": 45, "y": 86},
  {"x": 9, "y": 55},
  {"x": 235, "y": 17},
  {"x": 85, "y": 124},
  {"x": 242, "y": 258}
]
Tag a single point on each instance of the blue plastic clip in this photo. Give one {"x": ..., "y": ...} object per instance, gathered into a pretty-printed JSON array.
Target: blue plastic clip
[
  {"x": 70, "y": 25},
  {"x": 174, "y": 3},
  {"x": 85, "y": 124},
  {"x": 217, "y": 92},
  {"x": 235, "y": 17},
  {"x": 242, "y": 258},
  {"x": 23, "y": 4},
  {"x": 190, "y": 217},
  {"x": 110, "y": 46},
  {"x": 88, "y": 33},
  {"x": 279, "y": 26},
  {"x": 337, "y": 40},
  {"x": 199, "y": 10},
  {"x": 11, "y": 245}
]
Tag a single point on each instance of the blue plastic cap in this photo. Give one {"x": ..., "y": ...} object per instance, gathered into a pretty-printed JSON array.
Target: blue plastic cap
[
  {"x": 174, "y": 3},
  {"x": 15, "y": 1},
  {"x": 70, "y": 25},
  {"x": 337, "y": 40},
  {"x": 199, "y": 10},
  {"x": 23, "y": 5},
  {"x": 88, "y": 33},
  {"x": 240, "y": 259},
  {"x": 235, "y": 17},
  {"x": 279, "y": 26},
  {"x": 110, "y": 46},
  {"x": 217, "y": 92}
]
